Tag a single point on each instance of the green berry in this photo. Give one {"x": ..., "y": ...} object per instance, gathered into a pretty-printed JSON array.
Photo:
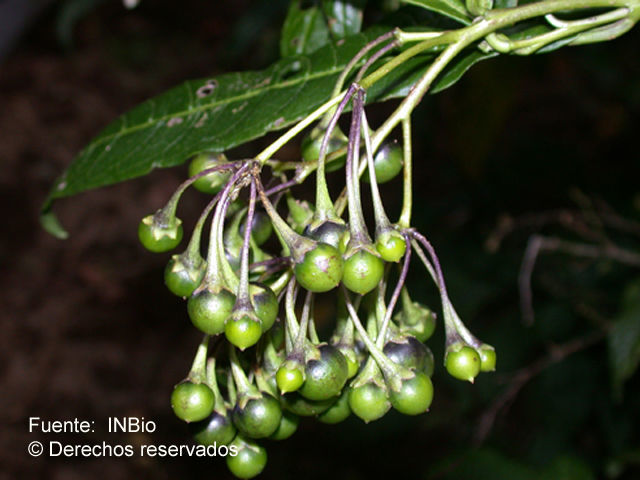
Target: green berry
[
  {"x": 462, "y": 362},
  {"x": 487, "y": 358},
  {"x": 157, "y": 236},
  {"x": 387, "y": 163},
  {"x": 243, "y": 331},
  {"x": 337, "y": 412},
  {"x": 209, "y": 309},
  {"x": 288, "y": 426},
  {"x": 182, "y": 277},
  {"x": 415, "y": 395},
  {"x": 325, "y": 376},
  {"x": 261, "y": 228},
  {"x": 265, "y": 304},
  {"x": 212, "y": 182},
  {"x": 391, "y": 246},
  {"x": 217, "y": 429},
  {"x": 192, "y": 402},
  {"x": 321, "y": 269},
  {"x": 250, "y": 459},
  {"x": 368, "y": 402},
  {"x": 297, "y": 404},
  {"x": 362, "y": 272},
  {"x": 329, "y": 232},
  {"x": 290, "y": 376},
  {"x": 311, "y": 148},
  {"x": 258, "y": 417}
]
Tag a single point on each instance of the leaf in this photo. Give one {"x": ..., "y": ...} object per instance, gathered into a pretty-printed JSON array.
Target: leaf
[
  {"x": 305, "y": 30},
  {"x": 218, "y": 114},
  {"x": 624, "y": 339},
  {"x": 344, "y": 17},
  {"x": 454, "y": 9},
  {"x": 458, "y": 67}
]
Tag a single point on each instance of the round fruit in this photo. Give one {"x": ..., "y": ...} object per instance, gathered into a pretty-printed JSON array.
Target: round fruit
[
  {"x": 415, "y": 395},
  {"x": 337, "y": 412},
  {"x": 265, "y": 304},
  {"x": 261, "y": 227},
  {"x": 487, "y": 358},
  {"x": 295, "y": 403},
  {"x": 368, "y": 402},
  {"x": 391, "y": 246},
  {"x": 217, "y": 429},
  {"x": 212, "y": 182},
  {"x": 157, "y": 237},
  {"x": 243, "y": 332},
  {"x": 325, "y": 377},
  {"x": 192, "y": 402},
  {"x": 289, "y": 377},
  {"x": 463, "y": 363},
  {"x": 321, "y": 269},
  {"x": 387, "y": 163},
  {"x": 311, "y": 150},
  {"x": 250, "y": 459},
  {"x": 182, "y": 277},
  {"x": 259, "y": 418},
  {"x": 408, "y": 352},
  {"x": 288, "y": 426},
  {"x": 209, "y": 309},
  {"x": 362, "y": 272},
  {"x": 331, "y": 233}
]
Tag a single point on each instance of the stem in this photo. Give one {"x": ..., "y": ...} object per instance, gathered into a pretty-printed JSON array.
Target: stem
[
  {"x": 239, "y": 377},
  {"x": 242, "y": 297},
  {"x": 407, "y": 193},
  {"x": 358, "y": 229},
  {"x": 291, "y": 322},
  {"x": 324, "y": 205},
  {"x": 198, "y": 369}
]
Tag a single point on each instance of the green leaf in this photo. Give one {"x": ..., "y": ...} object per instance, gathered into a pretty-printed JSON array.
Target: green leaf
[
  {"x": 305, "y": 30},
  {"x": 624, "y": 339},
  {"x": 458, "y": 67},
  {"x": 454, "y": 9}
]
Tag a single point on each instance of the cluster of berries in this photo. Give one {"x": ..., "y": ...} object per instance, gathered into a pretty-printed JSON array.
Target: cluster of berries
[{"x": 257, "y": 290}]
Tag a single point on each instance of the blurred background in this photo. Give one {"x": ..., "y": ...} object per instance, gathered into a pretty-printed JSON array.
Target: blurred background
[{"x": 522, "y": 152}]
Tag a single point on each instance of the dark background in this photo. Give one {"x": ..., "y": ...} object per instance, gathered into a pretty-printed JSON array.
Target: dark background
[{"x": 89, "y": 331}]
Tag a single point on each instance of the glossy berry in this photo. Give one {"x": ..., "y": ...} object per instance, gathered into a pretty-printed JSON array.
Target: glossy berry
[
  {"x": 387, "y": 163},
  {"x": 415, "y": 395},
  {"x": 463, "y": 363},
  {"x": 250, "y": 459},
  {"x": 261, "y": 228},
  {"x": 297, "y": 404},
  {"x": 408, "y": 352},
  {"x": 311, "y": 150},
  {"x": 290, "y": 376},
  {"x": 212, "y": 182},
  {"x": 288, "y": 426},
  {"x": 368, "y": 402},
  {"x": 331, "y": 233},
  {"x": 362, "y": 272},
  {"x": 487, "y": 358},
  {"x": 417, "y": 320},
  {"x": 321, "y": 269},
  {"x": 182, "y": 276},
  {"x": 258, "y": 417},
  {"x": 243, "y": 331},
  {"x": 352, "y": 359},
  {"x": 209, "y": 309},
  {"x": 325, "y": 377},
  {"x": 265, "y": 304},
  {"x": 217, "y": 429},
  {"x": 159, "y": 237},
  {"x": 337, "y": 412},
  {"x": 192, "y": 402},
  {"x": 391, "y": 246}
]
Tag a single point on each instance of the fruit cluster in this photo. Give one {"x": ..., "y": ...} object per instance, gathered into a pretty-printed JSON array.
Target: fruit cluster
[{"x": 257, "y": 290}]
